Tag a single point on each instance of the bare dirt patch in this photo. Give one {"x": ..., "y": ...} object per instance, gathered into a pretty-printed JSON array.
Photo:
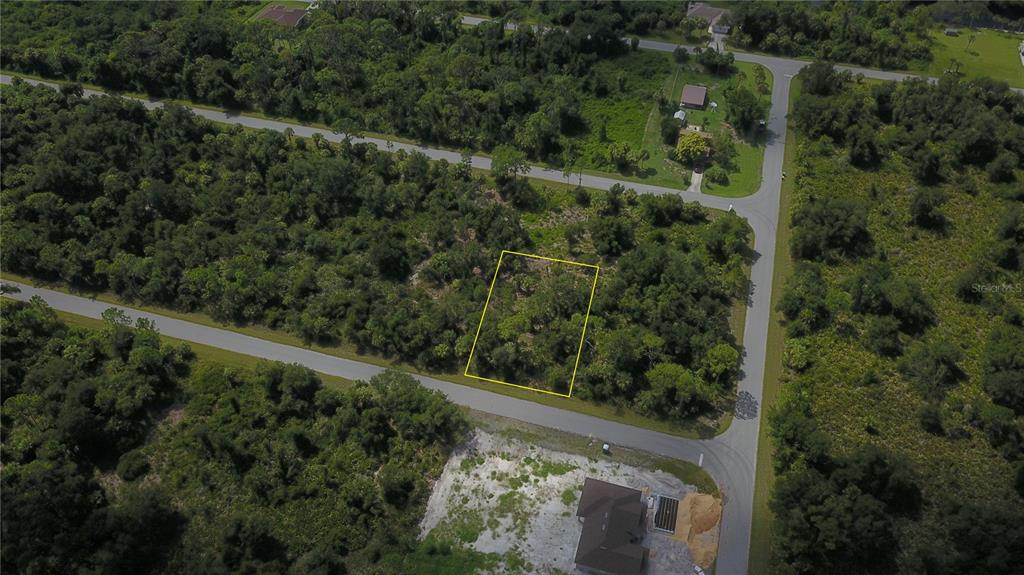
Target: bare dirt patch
[
  {"x": 697, "y": 525},
  {"x": 503, "y": 496}
]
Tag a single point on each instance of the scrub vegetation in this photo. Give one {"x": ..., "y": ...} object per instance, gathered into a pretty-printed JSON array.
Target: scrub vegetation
[
  {"x": 898, "y": 438},
  {"x": 531, "y": 332},
  {"x": 123, "y": 455},
  {"x": 346, "y": 244}
]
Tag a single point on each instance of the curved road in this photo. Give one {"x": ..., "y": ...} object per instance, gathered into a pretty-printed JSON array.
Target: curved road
[{"x": 730, "y": 458}]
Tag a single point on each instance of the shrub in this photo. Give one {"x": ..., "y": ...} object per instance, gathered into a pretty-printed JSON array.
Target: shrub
[
  {"x": 717, "y": 175},
  {"x": 932, "y": 368},
  {"x": 803, "y": 302},
  {"x": 1001, "y": 169},
  {"x": 830, "y": 228},
  {"x": 132, "y": 465},
  {"x": 669, "y": 130},
  {"x": 930, "y": 417},
  {"x": 883, "y": 335},
  {"x": 611, "y": 236},
  {"x": 926, "y": 208},
  {"x": 1003, "y": 375},
  {"x": 875, "y": 289},
  {"x": 691, "y": 148}
]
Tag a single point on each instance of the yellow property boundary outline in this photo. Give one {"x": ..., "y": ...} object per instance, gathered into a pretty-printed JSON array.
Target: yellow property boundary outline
[{"x": 593, "y": 289}]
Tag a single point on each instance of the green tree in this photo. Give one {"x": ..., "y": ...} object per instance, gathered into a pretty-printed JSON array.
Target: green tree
[
  {"x": 507, "y": 163},
  {"x": 612, "y": 236},
  {"x": 744, "y": 108},
  {"x": 691, "y": 148}
]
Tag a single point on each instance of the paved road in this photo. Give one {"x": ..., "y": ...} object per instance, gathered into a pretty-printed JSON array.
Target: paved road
[
  {"x": 719, "y": 459},
  {"x": 731, "y": 457}
]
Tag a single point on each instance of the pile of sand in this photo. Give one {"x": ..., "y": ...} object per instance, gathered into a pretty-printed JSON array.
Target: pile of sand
[{"x": 697, "y": 524}]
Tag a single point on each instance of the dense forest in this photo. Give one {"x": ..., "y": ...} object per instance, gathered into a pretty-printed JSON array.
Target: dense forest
[
  {"x": 639, "y": 17},
  {"x": 346, "y": 244},
  {"x": 882, "y": 34},
  {"x": 122, "y": 455},
  {"x": 899, "y": 440},
  {"x": 388, "y": 67}
]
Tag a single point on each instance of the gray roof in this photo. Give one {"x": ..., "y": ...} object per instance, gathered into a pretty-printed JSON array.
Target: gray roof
[
  {"x": 701, "y": 10},
  {"x": 613, "y": 527}
]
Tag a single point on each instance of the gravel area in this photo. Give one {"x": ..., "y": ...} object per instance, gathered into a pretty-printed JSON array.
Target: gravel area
[{"x": 503, "y": 496}]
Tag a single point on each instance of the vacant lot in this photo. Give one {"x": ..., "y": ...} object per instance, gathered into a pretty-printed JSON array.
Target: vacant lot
[
  {"x": 532, "y": 326},
  {"x": 980, "y": 53},
  {"x": 516, "y": 503}
]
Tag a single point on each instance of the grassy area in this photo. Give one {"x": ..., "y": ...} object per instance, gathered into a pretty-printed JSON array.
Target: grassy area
[
  {"x": 980, "y": 52},
  {"x": 591, "y": 447},
  {"x": 854, "y": 410},
  {"x": 745, "y": 176},
  {"x": 661, "y": 169},
  {"x": 203, "y": 352},
  {"x": 691, "y": 429},
  {"x": 760, "y": 534}
]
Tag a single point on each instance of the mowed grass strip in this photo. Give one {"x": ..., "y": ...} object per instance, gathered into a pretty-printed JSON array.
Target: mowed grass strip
[
  {"x": 980, "y": 52},
  {"x": 690, "y": 429},
  {"x": 760, "y": 534},
  {"x": 203, "y": 352}
]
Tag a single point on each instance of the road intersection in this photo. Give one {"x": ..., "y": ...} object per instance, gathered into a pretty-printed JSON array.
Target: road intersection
[{"x": 731, "y": 458}]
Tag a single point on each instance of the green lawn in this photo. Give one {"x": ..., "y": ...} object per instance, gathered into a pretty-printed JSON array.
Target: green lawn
[
  {"x": 660, "y": 169},
  {"x": 980, "y": 52}
]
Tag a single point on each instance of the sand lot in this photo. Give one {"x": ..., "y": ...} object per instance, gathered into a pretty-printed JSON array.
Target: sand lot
[{"x": 518, "y": 501}]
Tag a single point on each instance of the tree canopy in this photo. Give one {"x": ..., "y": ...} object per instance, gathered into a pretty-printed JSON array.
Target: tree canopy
[
  {"x": 389, "y": 253},
  {"x": 316, "y": 479}
]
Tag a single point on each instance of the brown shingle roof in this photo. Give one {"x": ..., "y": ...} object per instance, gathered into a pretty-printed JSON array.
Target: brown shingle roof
[
  {"x": 286, "y": 16},
  {"x": 613, "y": 527},
  {"x": 694, "y": 95}
]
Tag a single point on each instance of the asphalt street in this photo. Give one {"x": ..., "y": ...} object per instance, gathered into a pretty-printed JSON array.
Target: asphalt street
[{"x": 730, "y": 458}]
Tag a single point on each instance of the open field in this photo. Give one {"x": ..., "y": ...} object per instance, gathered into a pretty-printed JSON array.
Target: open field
[
  {"x": 979, "y": 52},
  {"x": 252, "y": 13}
]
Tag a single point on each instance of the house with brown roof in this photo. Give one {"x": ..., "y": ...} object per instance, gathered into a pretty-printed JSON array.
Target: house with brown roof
[
  {"x": 693, "y": 96},
  {"x": 290, "y": 17},
  {"x": 614, "y": 526},
  {"x": 713, "y": 16}
]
